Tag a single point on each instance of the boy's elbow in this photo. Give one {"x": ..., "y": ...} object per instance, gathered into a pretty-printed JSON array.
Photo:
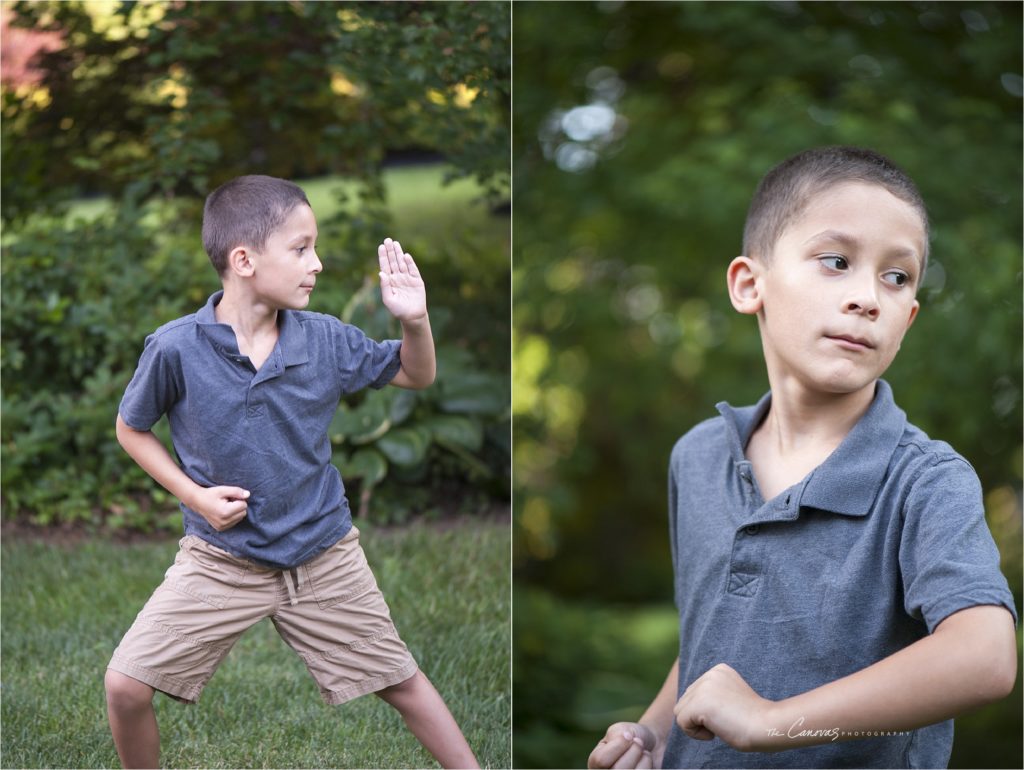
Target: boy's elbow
[
  {"x": 421, "y": 384},
  {"x": 123, "y": 431},
  {"x": 1004, "y": 675},
  {"x": 998, "y": 662},
  {"x": 985, "y": 642},
  {"x": 416, "y": 380}
]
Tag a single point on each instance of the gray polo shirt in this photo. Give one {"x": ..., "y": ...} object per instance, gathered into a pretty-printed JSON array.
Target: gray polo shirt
[
  {"x": 266, "y": 430},
  {"x": 864, "y": 556}
]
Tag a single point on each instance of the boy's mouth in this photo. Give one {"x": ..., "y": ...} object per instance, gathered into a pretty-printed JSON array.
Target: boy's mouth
[{"x": 850, "y": 342}]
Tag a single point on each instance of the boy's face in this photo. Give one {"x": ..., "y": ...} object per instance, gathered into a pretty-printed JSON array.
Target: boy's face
[
  {"x": 285, "y": 271},
  {"x": 839, "y": 292}
]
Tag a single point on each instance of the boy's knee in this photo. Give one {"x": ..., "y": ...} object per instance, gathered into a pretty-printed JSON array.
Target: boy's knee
[
  {"x": 125, "y": 693},
  {"x": 404, "y": 688}
]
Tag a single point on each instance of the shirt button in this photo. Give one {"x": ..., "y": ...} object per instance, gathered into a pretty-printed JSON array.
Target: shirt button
[{"x": 751, "y": 529}]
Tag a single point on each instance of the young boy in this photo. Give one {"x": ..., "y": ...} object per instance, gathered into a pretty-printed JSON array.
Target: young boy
[
  {"x": 835, "y": 578},
  {"x": 250, "y": 384}
]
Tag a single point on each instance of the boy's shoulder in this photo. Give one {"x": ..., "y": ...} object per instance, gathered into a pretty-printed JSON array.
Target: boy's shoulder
[
  {"x": 326, "y": 332},
  {"x": 918, "y": 456},
  {"x": 173, "y": 331},
  {"x": 182, "y": 329},
  {"x": 706, "y": 440},
  {"x": 313, "y": 319}
]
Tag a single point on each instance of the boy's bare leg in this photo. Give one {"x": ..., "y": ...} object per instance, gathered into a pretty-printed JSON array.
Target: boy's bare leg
[
  {"x": 430, "y": 721},
  {"x": 132, "y": 720}
]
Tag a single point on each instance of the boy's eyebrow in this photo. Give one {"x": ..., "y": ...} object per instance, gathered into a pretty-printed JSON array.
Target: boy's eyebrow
[{"x": 851, "y": 241}]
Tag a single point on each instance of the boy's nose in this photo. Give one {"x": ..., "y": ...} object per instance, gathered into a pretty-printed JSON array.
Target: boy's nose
[
  {"x": 863, "y": 303},
  {"x": 317, "y": 264}
]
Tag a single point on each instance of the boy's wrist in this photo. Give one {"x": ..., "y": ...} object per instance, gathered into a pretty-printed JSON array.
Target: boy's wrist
[
  {"x": 417, "y": 324},
  {"x": 786, "y": 725},
  {"x": 189, "y": 496},
  {"x": 770, "y": 732}
]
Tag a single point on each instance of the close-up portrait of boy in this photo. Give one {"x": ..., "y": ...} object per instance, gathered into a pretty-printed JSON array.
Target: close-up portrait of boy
[
  {"x": 839, "y": 592},
  {"x": 767, "y": 281}
]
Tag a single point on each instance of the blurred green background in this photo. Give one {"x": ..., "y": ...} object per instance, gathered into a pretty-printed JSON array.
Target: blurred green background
[
  {"x": 120, "y": 117},
  {"x": 640, "y": 131}
]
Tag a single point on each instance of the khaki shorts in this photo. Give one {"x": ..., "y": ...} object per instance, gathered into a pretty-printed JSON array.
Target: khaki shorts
[{"x": 329, "y": 610}]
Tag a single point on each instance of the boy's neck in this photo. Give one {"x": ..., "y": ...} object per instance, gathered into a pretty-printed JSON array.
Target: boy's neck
[
  {"x": 249, "y": 320},
  {"x": 802, "y": 422},
  {"x": 802, "y": 428}
]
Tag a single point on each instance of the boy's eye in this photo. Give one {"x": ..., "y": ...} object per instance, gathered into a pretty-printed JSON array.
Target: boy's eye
[
  {"x": 834, "y": 262},
  {"x": 896, "y": 278},
  {"x": 300, "y": 249}
]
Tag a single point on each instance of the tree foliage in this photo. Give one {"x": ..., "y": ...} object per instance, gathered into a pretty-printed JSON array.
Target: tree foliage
[
  {"x": 640, "y": 132},
  {"x": 154, "y": 104},
  {"x": 176, "y": 97}
]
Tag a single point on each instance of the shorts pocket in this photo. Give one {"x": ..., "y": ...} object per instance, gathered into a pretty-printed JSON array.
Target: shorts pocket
[
  {"x": 339, "y": 574},
  {"x": 206, "y": 573}
]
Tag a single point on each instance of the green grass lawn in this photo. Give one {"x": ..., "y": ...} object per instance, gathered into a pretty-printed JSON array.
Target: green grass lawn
[{"x": 66, "y": 606}]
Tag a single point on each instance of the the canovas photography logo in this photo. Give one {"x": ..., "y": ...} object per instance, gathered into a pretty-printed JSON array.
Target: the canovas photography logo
[{"x": 797, "y": 730}]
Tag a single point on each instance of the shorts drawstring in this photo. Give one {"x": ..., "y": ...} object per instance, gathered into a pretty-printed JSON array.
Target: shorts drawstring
[{"x": 292, "y": 597}]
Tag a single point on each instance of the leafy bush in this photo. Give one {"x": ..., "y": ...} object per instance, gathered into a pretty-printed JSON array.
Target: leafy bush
[
  {"x": 140, "y": 98},
  {"x": 138, "y": 104},
  {"x": 399, "y": 432},
  {"x": 78, "y": 300}
]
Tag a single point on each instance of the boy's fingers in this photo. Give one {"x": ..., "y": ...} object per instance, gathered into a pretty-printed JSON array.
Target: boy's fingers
[
  {"x": 382, "y": 255},
  {"x": 631, "y": 757},
  {"x": 608, "y": 751},
  {"x": 399, "y": 258},
  {"x": 646, "y": 760},
  {"x": 410, "y": 266},
  {"x": 237, "y": 507},
  {"x": 389, "y": 249}
]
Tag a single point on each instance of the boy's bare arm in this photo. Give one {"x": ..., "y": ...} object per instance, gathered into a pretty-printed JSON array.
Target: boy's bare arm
[
  {"x": 970, "y": 660},
  {"x": 223, "y": 506},
  {"x": 404, "y": 295},
  {"x": 640, "y": 744},
  {"x": 418, "y": 362}
]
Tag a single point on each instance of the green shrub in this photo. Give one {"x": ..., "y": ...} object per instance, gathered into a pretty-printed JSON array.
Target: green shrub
[{"x": 79, "y": 299}]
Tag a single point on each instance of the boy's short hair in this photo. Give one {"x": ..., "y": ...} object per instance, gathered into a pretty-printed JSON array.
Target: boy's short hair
[
  {"x": 784, "y": 191},
  {"x": 245, "y": 212}
]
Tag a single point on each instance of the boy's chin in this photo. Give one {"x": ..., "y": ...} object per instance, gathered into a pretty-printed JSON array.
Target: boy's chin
[
  {"x": 296, "y": 303},
  {"x": 843, "y": 383}
]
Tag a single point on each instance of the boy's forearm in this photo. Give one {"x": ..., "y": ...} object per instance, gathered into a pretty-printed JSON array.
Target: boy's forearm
[
  {"x": 969, "y": 660},
  {"x": 658, "y": 717},
  {"x": 152, "y": 456},
  {"x": 419, "y": 365}
]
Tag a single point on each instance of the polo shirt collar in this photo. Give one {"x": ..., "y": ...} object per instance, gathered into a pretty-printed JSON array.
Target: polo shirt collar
[
  {"x": 849, "y": 478},
  {"x": 291, "y": 335}
]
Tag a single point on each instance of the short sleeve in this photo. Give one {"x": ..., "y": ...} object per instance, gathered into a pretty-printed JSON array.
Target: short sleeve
[
  {"x": 363, "y": 362},
  {"x": 948, "y": 558},
  {"x": 673, "y": 522},
  {"x": 153, "y": 389}
]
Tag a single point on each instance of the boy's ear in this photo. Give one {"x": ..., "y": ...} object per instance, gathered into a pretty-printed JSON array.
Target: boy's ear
[
  {"x": 743, "y": 277},
  {"x": 913, "y": 313},
  {"x": 910, "y": 321},
  {"x": 240, "y": 261}
]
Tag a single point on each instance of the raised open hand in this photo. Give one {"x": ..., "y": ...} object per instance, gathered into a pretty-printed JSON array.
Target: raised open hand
[{"x": 401, "y": 287}]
